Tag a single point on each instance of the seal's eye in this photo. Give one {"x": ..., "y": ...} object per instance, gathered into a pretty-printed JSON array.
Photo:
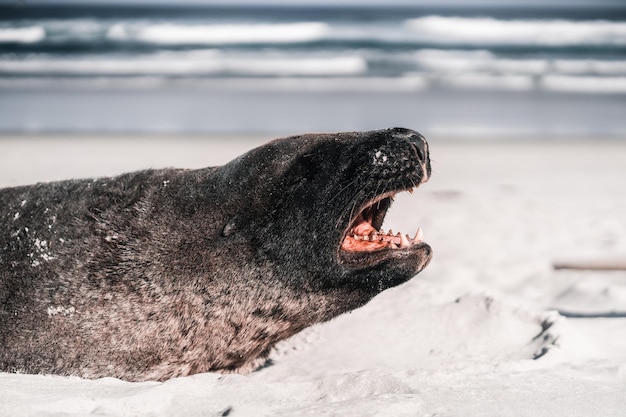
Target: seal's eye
[{"x": 365, "y": 233}]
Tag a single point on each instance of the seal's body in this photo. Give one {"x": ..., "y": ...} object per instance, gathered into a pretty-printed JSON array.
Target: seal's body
[{"x": 164, "y": 273}]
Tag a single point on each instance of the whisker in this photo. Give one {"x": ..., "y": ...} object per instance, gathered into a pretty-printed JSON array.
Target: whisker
[
  {"x": 375, "y": 194},
  {"x": 343, "y": 189},
  {"x": 354, "y": 200}
]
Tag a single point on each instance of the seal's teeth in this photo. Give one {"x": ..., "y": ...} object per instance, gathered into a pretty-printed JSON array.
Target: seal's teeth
[
  {"x": 390, "y": 233},
  {"x": 404, "y": 241},
  {"x": 419, "y": 235}
]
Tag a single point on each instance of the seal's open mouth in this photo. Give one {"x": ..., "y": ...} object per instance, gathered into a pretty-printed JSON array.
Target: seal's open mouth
[{"x": 365, "y": 234}]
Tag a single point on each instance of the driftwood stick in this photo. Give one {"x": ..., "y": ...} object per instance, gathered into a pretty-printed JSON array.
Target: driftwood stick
[
  {"x": 592, "y": 265},
  {"x": 593, "y": 315}
]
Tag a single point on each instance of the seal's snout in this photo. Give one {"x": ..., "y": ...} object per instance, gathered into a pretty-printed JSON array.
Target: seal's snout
[
  {"x": 420, "y": 147},
  {"x": 401, "y": 162}
]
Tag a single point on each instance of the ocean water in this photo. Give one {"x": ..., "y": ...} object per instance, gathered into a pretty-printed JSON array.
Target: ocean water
[{"x": 465, "y": 72}]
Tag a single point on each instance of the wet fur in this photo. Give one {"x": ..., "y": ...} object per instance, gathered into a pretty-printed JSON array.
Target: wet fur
[{"x": 164, "y": 273}]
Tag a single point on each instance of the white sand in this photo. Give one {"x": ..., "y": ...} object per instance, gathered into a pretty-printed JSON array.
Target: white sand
[{"x": 458, "y": 340}]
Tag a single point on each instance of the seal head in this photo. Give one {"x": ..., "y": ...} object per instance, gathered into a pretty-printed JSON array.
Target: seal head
[
  {"x": 328, "y": 196},
  {"x": 165, "y": 273}
]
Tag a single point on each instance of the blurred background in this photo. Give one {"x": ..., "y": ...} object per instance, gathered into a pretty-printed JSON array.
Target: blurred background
[{"x": 502, "y": 68}]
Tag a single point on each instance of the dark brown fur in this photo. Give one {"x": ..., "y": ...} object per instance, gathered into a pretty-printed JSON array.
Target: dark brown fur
[{"x": 164, "y": 273}]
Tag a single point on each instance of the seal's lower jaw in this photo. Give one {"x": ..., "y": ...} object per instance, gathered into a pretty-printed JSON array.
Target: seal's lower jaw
[{"x": 366, "y": 244}]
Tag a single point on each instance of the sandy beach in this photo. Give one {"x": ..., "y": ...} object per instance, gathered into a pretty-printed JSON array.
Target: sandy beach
[{"x": 490, "y": 328}]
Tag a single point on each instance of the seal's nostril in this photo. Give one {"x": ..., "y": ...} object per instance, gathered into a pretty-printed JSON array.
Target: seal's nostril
[{"x": 419, "y": 150}]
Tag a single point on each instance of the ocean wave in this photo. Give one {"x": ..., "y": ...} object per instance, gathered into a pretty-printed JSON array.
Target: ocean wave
[
  {"x": 350, "y": 65},
  {"x": 491, "y": 31},
  {"x": 206, "y": 62},
  {"x": 460, "y": 61},
  {"x": 590, "y": 66},
  {"x": 422, "y": 32},
  {"x": 220, "y": 34},
  {"x": 480, "y": 81},
  {"x": 584, "y": 84},
  {"x": 448, "y": 61},
  {"x": 31, "y": 34},
  {"x": 275, "y": 63},
  {"x": 526, "y": 83}
]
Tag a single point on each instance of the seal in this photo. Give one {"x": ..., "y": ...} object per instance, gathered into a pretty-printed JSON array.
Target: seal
[{"x": 165, "y": 273}]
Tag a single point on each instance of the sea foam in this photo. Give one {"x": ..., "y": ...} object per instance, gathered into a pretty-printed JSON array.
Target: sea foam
[
  {"x": 447, "y": 61},
  {"x": 171, "y": 34},
  {"x": 29, "y": 34},
  {"x": 584, "y": 84},
  {"x": 491, "y": 31},
  {"x": 205, "y": 62}
]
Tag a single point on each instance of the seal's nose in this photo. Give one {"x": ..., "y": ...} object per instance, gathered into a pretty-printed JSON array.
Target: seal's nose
[
  {"x": 420, "y": 147},
  {"x": 417, "y": 150},
  {"x": 417, "y": 141}
]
